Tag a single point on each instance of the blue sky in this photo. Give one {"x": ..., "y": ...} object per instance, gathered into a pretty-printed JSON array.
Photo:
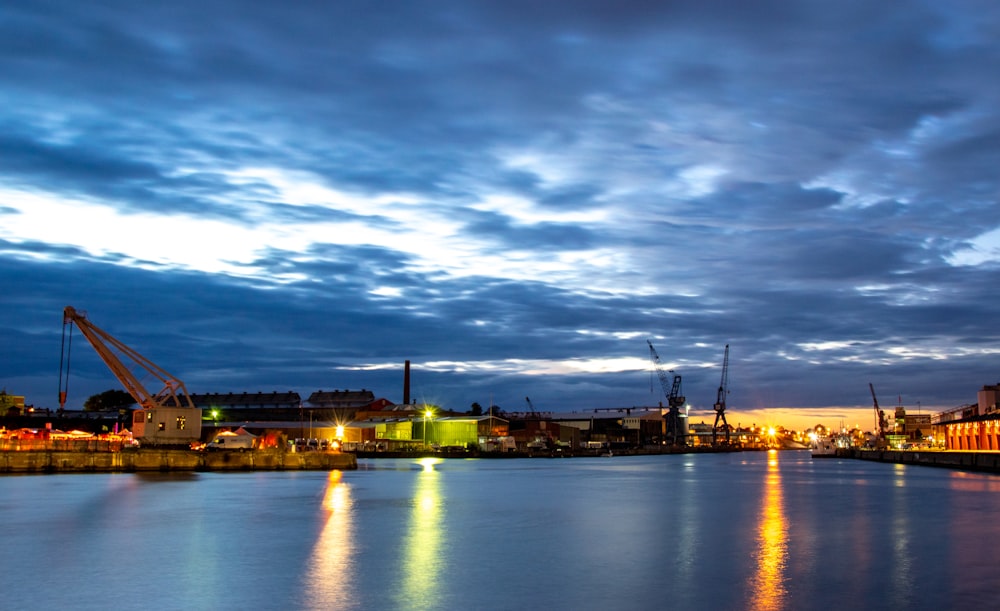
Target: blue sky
[{"x": 514, "y": 196}]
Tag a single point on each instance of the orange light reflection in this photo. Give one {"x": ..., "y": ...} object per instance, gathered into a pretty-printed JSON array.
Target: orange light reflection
[
  {"x": 328, "y": 583},
  {"x": 767, "y": 587}
]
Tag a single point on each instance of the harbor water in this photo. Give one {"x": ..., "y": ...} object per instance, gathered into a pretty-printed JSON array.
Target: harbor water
[{"x": 749, "y": 530}]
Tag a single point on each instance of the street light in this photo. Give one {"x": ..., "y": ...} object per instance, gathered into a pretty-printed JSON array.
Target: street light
[{"x": 427, "y": 414}]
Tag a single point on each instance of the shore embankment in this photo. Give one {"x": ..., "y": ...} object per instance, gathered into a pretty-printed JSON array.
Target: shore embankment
[
  {"x": 985, "y": 462},
  {"x": 171, "y": 460}
]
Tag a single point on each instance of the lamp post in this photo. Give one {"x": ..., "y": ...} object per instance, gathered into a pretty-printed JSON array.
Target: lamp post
[{"x": 427, "y": 414}]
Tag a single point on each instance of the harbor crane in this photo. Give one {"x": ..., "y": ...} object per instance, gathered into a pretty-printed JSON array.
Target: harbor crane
[
  {"x": 676, "y": 431},
  {"x": 531, "y": 407},
  {"x": 880, "y": 424},
  {"x": 720, "y": 402},
  {"x": 167, "y": 417}
]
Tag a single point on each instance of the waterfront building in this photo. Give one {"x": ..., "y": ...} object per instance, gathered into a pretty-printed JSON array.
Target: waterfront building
[
  {"x": 972, "y": 427},
  {"x": 418, "y": 431},
  {"x": 11, "y": 405},
  {"x": 339, "y": 399},
  {"x": 244, "y": 400}
]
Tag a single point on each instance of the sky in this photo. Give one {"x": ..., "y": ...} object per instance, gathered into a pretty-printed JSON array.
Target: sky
[{"x": 514, "y": 196}]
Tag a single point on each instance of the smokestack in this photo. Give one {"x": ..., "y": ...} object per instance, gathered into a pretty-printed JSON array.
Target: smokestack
[{"x": 406, "y": 383}]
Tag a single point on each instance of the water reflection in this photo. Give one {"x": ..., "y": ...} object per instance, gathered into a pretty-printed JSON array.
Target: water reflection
[
  {"x": 901, "y": 585},
  {"x": 329, "y": 580},
  {"x": 767, "y": 588},
  {"x": 423, "y": 545},
  {"x": 688, "y": 528}
]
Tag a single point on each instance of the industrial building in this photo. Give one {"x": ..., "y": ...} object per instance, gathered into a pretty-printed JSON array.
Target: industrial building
[{"x": 972, "y": 427}]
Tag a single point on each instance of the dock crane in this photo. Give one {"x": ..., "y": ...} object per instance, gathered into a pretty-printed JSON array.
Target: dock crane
[
  {"x": 880, "y": 431},
  {"x": 676, "y": 432},
  {"x": 720, "y": 401},
  {"x": 531, "y": 408},
  {"x": 168, "y": 417}
]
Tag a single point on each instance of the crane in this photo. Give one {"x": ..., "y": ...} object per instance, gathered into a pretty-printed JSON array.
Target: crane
[
  {"x": 880, "y": 431},
  {"x": 531, "y": 408},
  {"x": 168, "y": 417},
  {"x": 675, "y": 430},
  {"x": 720, "y": 401}
]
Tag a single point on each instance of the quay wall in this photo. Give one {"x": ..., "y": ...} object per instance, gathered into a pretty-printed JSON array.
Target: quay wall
[
  {"x": 162, "y": 460},
  {"x": 986, "y": 462}
]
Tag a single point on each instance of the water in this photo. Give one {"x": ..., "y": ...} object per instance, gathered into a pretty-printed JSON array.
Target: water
[{"x": 715, "y": 531}]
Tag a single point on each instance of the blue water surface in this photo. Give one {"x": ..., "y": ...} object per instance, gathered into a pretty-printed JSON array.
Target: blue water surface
[{"x": 750, "y": 530}]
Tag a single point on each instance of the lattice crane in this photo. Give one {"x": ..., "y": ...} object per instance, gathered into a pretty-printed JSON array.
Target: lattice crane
[
  {"x": 880, "y": 431},
  {"x": 531, "y": 406},
  {"x": 676, "y": 433},
  {"x": 720, "y": 401},
  {"x": 168, "y": 417}
]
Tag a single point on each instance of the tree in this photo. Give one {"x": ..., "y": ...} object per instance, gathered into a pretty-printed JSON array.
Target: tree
[
  {"x": 109, "y": 401},
  {"x": 477, "y": 409}
]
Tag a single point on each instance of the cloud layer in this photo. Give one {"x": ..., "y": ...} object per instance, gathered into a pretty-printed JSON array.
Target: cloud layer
[{"x": 514, "y": 196}]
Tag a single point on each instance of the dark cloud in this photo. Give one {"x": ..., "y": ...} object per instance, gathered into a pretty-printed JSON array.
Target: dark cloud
[{"x": 797, "y": 180}]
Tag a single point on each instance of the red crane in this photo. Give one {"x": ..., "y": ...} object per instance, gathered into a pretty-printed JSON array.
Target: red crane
[{"x": 167, "y": 417}]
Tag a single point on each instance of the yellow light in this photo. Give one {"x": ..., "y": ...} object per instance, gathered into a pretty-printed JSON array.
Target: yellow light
[
  {"x": 770, "y": 431},
  {"x": 340, "y": 430},
  {"x": 428, "y": 462},
  {"x": 428, "y": 414}
]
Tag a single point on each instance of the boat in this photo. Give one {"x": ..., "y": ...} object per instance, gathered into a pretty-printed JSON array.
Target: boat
[{"x": 823, "y": 447}]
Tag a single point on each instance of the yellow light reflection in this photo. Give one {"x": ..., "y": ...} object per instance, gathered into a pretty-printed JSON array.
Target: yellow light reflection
[
  {"x": 424, "y": 542},
  {"x": 767, "y": 588},
  {"x": 329, "y": 581}
]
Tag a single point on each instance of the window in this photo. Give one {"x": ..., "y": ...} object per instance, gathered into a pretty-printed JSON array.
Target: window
[
  {"x": 181, "y": 422},
  {"x": 161, "y": 426}
]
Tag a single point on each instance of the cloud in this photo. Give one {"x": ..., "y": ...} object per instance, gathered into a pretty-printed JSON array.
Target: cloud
[{"x": 512, "y": 196}]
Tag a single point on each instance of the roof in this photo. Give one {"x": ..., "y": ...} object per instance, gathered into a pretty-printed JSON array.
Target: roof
[
  {"x": 353, "y": 398},
  {"x": 982, "y": 418},
  {"x": 259, "y": 398}
]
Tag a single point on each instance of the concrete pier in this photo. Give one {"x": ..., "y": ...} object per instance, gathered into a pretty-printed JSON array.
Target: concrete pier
[
  {"x": 986, "y": 462},
  {"x": 152, "y": 459}
]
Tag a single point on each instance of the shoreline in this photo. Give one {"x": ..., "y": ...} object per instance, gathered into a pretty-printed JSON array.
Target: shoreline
[
  {"x": 169, "y": 461},
  {"x": 981, "y": 462}
]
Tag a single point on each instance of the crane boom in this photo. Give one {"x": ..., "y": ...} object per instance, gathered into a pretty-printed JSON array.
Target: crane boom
[
  {"x": 675, "y": 430},
  {"x": 720, "y": 401},
  {"x": 879, "y": 419},
  {"x": 155, "y": 410},
  {"x": 531, "y": 406}
]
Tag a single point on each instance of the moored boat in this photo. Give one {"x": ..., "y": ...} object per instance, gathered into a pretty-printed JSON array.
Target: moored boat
[{"x": 823, "y": 447}]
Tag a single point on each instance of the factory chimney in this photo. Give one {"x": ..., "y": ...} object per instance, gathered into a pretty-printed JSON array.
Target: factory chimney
[{"x": 406, "y": 383}]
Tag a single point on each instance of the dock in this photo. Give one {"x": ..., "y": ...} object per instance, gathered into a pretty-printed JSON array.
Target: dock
[
  {"x": 984, "y": 462},
  {"x": 171, "y": 460}
]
